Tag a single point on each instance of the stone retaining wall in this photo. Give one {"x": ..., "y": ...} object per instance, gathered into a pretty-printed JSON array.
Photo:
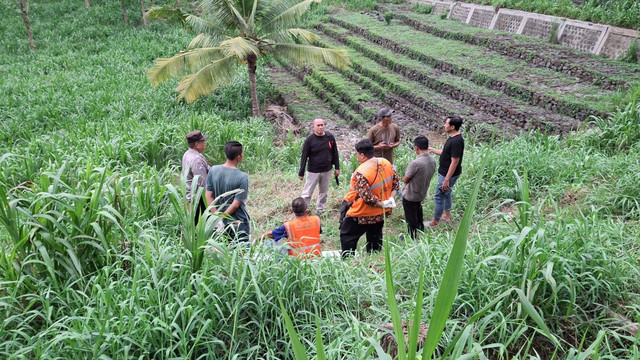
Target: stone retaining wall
[{"x": 610, "y": 41}]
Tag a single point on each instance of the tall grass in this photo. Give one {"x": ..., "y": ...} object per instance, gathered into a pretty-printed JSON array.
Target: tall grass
[{"x": 96, "y": 251}]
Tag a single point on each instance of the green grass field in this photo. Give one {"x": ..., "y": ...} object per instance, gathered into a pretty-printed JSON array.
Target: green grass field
[{"x": 94, "y": 262}]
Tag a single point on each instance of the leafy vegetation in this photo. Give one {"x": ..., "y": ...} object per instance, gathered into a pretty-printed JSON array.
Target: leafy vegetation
[{"x": 99, "y": 256}]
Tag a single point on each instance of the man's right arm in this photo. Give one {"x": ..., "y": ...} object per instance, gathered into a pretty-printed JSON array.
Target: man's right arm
[
  {"x": 233, "y": 207},
  {"x": 210, "y": 197},
  {"x": 303, "y": 158}
]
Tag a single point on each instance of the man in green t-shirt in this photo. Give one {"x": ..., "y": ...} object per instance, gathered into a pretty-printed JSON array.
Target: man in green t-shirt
[{"x": 226, "y": 178}]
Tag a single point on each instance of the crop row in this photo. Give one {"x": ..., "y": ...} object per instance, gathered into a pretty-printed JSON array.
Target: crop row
[
  {"x": 505, "y": 48},
  {"x": 336, "y": 104},
  {"x": 382, "y": 85},
  {"x": 577, "y": 111},
  {"x": 520, "y": 118}
]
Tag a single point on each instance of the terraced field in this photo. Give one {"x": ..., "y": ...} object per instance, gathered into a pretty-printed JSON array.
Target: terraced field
[{"x": 426, "y": 67}]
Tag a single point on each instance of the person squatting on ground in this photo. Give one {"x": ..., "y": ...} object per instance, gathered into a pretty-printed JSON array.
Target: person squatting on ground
[
  {"x": 449, "y": 170},
  {"x": 321, "y": 151},
  {"x": 373, "y": 182},
  {"x": 194, "y": 164},
  {"x": 302, "y": 234},
  {"x": 384, "y": 135},
  {"x": 227, "y": 177},
  {"x": 417, "y": 179}
]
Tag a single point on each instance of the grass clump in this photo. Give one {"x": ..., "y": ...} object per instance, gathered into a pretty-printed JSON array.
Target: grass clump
[
  {"x": 553, "y": 34},
  {"x": 388, "y": 16},
  {"x": 631, "y": 55},
  {"x": 422, "y": 8}
]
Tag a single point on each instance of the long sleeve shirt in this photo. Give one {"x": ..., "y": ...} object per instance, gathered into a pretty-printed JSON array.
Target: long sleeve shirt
[
  {"x": 364, "y": 190},
  {"x": 194, "y": 163},
  {"x": 321, "y": 152}
]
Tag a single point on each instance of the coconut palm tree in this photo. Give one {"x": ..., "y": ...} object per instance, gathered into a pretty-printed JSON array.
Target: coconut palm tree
[{"x": 239, "y": 31}]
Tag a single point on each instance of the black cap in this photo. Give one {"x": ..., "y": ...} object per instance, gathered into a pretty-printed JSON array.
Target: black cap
[{"x": 195, "y": 136}]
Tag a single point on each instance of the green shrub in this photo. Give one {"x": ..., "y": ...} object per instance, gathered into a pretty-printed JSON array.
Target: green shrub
[
  {"x": 388, "y": 16},
  {"x": 616, "y": 133},
  {"x": 422, "y": 8}
]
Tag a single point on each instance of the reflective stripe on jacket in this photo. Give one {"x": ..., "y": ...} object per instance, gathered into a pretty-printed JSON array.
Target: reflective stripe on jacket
[
  {"x": 379, "y": 175},
  {"x": 304, "y": 235}
]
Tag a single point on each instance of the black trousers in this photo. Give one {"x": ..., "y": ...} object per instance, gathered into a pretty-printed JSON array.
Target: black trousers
[
  {"x": 351, "y": 231},
  {"x": 413, "y": 216},
  {"x": 202, "y": 206}
]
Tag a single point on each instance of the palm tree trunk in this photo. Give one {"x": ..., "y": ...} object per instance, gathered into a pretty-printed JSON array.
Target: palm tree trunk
[
  {"x": 86, "y": 3},
  {"x": 25, "y": 18},
  {"x": 144, "y": 14},
  {"x": 252, "y": 60},
  {"x": 124, "y": 12}
]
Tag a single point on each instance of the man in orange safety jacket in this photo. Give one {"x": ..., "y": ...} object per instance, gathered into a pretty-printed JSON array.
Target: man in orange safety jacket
[
  {"x": 302, "y": 234},
  {"x": 373, "y": 186}
]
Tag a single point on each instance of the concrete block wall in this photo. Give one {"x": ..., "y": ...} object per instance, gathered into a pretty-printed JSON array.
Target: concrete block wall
[{"x": 610, "y": 41}]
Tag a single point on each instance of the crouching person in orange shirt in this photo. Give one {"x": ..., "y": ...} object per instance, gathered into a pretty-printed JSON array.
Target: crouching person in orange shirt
[{"x": 302, "y": 235}]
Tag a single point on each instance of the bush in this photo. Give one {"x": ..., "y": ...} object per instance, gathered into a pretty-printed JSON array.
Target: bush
[
  {"x": 616, "y": 133},
  {"x": 422, "y": 8}
]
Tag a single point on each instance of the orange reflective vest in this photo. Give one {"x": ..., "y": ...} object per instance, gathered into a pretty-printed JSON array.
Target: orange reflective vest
[
  {"x": 379, "y": 175},
  {"x": 304, "y": 236}
]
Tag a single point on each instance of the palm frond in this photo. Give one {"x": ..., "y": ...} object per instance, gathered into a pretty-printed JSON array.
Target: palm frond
[
  {"x": 252, "y": 17},
  {"x": 309, "y": 54},
  {"x": 207, "y": 80},
  {"x": 218, "y": 13},
  {"x": 205, "y": 40},
  {"x": 182, "y": 63},
  {"x": 290, "y": 35},
  {"x": 225, "y": 12},
  {"x": 202, "y": 25},
  {"x": 167, "y": 13},
  {"x": 241, "y": 23},
  {"x": 284, "y": 14},
  {"x": 239, "y": 47}
]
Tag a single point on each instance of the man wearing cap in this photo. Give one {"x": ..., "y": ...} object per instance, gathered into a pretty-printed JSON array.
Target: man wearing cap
[
  {"x": 385, "y": 135},
  {"x": 322, "y": 152},
  {"x": 194, "y": 163}
]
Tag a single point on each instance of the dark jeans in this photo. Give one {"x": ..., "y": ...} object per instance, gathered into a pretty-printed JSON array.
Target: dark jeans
[
  {"x": 351, "y": 231},
  {"x": 236, "y": 230},
  {"x": 413, "y": 215}
]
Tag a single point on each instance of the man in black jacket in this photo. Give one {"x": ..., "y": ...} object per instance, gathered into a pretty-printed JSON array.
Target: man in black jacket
[{"x": 322, "y": 152}]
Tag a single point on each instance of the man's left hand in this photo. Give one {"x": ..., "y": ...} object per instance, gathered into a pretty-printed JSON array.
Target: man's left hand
[{"x": 336, "y": 173}]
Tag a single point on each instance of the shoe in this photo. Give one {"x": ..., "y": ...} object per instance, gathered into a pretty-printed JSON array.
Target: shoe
[
  {"x": 445, "y": 221},
  {"x": 427, "y": 224}
]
